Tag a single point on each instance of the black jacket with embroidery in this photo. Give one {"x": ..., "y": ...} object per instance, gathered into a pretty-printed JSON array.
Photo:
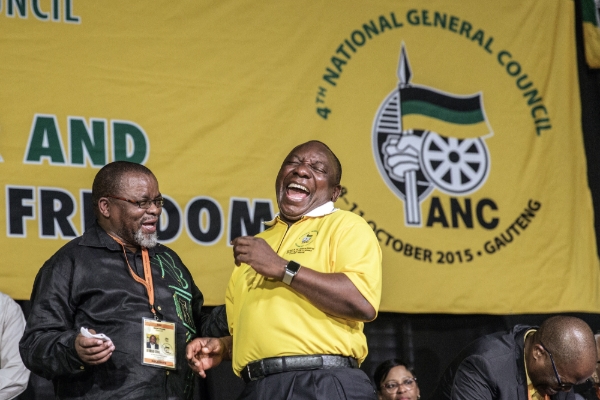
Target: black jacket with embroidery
[{"x": 87, "y": 283}]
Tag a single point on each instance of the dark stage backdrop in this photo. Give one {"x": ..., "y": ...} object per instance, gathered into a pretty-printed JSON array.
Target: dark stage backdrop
[{"x": 426, "y": 341}]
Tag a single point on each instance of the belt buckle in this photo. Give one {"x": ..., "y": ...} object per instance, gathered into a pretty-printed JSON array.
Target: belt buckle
[{"x": 249, "y": 370}]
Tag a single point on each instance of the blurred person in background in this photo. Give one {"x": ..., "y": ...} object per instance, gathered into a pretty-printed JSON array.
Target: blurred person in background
[
  {"x": 591, "y": 389},
  {"x": 395, "y": 380},
  {"x": 528, "y": 362},
  {"x": 13, "y": 374}
]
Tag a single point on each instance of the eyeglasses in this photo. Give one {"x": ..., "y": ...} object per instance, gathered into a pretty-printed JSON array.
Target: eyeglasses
[
  {"x": 563, "y": 386},
  {"x": 144, "y": 204},
  {"x": 392, "y": 387}
]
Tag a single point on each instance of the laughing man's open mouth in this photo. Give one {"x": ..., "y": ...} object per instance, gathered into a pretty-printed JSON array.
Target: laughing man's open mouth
[{"x": 297, "y": 192}]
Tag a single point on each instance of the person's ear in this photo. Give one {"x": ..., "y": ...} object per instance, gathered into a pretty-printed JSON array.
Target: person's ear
[
  {"x": 337, "y": 189},
  {"x": 537, "y": 352},
  {"x": 104, "y": 207}
]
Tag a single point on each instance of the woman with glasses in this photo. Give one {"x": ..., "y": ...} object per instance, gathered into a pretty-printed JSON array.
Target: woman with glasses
[{"x": 396, "y": 381}]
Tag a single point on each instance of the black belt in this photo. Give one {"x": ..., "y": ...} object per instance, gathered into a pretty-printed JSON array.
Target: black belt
[{"x": 274, "y": 365}]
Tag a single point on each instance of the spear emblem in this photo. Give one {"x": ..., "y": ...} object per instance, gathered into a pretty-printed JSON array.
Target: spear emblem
[{"x": 411, "y": 207}]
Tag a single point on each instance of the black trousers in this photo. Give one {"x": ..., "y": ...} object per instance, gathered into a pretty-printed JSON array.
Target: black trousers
[{"x": 319, "y": 384}]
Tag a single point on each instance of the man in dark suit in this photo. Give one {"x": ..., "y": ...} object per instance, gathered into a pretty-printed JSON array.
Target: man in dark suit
[
  {"x": 526, "y": 363},
  {"x": 590, "y": 390}
]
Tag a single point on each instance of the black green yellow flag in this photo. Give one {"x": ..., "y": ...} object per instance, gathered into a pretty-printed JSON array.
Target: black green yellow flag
[{"x": 423, "y": 107}]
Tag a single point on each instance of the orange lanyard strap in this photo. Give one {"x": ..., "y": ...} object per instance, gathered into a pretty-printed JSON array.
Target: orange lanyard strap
[{"x": 147, "y": 273}]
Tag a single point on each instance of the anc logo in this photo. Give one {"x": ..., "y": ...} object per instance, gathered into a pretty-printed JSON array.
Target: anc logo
[
  {"x": 425, "y": 138},
  {"x": 306, "y": 239}
]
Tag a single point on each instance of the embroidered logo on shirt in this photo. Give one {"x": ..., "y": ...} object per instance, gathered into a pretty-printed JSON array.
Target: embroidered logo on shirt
[{"x": 307, "y": 238}]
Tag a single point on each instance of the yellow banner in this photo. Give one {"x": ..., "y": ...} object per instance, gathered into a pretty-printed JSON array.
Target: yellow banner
[{"x": 457, "y": 124}]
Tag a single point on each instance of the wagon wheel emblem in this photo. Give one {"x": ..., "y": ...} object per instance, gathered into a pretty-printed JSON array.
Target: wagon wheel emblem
[{"x": 456, "y": 166}]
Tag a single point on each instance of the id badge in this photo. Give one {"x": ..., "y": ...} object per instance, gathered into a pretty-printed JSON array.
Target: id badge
[{"x": 158, "y": 343}]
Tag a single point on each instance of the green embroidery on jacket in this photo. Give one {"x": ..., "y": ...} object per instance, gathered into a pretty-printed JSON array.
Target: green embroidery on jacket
[{"x": 181, "y": 297}]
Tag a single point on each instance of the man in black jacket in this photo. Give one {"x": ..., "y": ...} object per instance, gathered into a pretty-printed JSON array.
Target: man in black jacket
[
  {"x": 525, "y": 363},
  {"x": 590, "y": 390},
  {"x": 117, "y": 280}
]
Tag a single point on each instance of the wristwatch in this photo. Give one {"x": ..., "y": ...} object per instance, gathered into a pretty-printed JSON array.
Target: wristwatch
[{"x": 291, "y": 269}]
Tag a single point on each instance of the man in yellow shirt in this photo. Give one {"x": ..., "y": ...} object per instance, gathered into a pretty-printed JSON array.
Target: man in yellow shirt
[
  {"x": 297, "y": 301},
  {"x": 525, "y": 363}
]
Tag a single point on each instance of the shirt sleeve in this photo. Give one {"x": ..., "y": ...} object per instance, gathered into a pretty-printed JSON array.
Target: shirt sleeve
[
  {"x": 214, "y": 324},
  {"x": 358, "y": 256},
  {"x": 13, "y": 374},
  {"x": 48, "y": 344}
]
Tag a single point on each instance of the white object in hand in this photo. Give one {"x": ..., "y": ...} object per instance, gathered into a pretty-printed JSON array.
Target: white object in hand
[{"x": 101, "y": 336}]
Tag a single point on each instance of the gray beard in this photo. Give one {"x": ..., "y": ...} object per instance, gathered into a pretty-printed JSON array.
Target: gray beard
[{"x": 147, "y": 241}]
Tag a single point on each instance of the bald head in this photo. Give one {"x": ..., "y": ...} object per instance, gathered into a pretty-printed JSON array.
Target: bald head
[
  {"x": 572, "y": 344},
  {"x": 569, "y": 338}
]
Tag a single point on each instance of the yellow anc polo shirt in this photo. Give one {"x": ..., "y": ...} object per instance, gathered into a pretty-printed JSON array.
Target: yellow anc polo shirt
[{"x": 268, "y": 318}]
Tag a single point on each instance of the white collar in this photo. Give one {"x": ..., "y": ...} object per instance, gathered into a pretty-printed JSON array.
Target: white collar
[{"x": 324, "y": 209}]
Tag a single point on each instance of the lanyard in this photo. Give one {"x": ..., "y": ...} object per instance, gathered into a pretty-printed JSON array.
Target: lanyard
[{"x": 147, "y": 274}]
